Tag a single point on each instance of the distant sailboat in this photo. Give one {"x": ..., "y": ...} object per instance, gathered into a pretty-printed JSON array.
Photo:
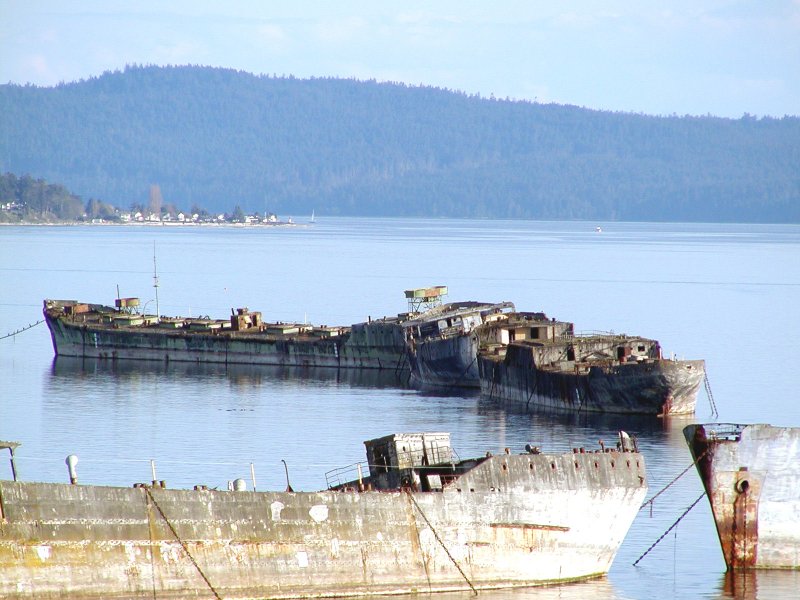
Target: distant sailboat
[{"x": 312, "y": 216}]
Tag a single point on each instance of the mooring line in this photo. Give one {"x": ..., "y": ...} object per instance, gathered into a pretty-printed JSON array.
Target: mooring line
[
  {"x": 707, "y": 385},
  {"x": 441, "y": 543},
  {"x": 182, "y": 543},
  {"x": 671, "y": 527},
  {"x": 664, "y": 489},
  {"x": 20, "y": 330}
]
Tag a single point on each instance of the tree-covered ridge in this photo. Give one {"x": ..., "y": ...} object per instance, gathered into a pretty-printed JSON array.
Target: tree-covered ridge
[{"x": 219, "y": 138}]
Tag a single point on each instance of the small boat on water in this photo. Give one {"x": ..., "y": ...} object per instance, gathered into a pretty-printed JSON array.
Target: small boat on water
[
  {"x": 414, "y": 518},
  {"x": 751, "y": 474}
]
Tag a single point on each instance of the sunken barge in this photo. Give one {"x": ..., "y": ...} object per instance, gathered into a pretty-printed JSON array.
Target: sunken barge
[
  {"x": 525, "y": 358},
  {"x": 80, "y": 329},
  {"x": 598, "y": 373},
  {"x": 751, "y": 474},
  {"x": 415, "y": 518},
  {"x": 121, "y": 332},
  {"x": 518, "y": 357}
]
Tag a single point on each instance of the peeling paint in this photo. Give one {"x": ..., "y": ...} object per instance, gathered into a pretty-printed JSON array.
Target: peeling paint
[
  {"x": 319, "y": 513},
  {"x": 302, "y": 559},
  {"x": 276, "y": 508},
  {"x": 43, "y": 552}
]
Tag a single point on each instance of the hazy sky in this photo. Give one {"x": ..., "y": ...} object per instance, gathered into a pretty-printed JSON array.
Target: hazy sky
[{"x": 652, "y": 56}]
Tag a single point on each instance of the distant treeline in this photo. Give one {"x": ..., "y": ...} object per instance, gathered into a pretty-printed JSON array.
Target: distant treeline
[
  {"x": 34, "y": 200},
  {"x": 220, "y": 138}
]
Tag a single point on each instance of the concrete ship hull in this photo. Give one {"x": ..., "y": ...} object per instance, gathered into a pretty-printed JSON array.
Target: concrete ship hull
[
  {"x": 446, "y": 363},
  {"x": 506, "y": 521},
  {"x": 751, "y": 474},
  {"x": 657, "y": 387},
  {"x": 364, "y": 346}
]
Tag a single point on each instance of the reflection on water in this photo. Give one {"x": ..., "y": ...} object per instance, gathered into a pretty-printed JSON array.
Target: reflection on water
[
  {"x": 237, "y": 374},
  {"x": 641, "y": 424},
  {"x": 751, "y": 585},
  {"x": 597, "y": 589}
]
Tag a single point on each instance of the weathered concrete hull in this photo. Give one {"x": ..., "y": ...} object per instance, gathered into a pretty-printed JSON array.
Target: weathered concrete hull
[
  {"x": 751, "y": 474},
  {"x": 360, "y": 349},
  {"x": 447, "y": 363},
  {"x": 663, "y": 387},
  {"x": 515, "y": 520}
]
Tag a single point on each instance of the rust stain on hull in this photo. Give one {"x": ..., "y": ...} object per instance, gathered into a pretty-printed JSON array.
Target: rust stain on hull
[{"x": 750, "y": 475}]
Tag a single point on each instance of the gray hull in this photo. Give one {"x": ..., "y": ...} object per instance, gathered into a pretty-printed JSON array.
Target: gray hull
[
  {"x": 446, "y": 363},
  {"x": 512, "y": 520},
  {"x": 364, "y": 346},
  {"x": 751, "y": 474},
  {"x": 656, "y": 387}
]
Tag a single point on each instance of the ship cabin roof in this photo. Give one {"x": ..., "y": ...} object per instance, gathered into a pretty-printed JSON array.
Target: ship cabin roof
[{"x": 421, "y": 461}]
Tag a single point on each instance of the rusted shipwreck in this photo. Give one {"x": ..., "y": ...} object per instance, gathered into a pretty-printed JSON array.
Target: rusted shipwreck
[
  {"x": 416, "y": 518},
  {"x": 540, "y": 364},
  {"x": 526, "y": 358},
  {"x": 443, "y": 343},
  {"x": 123, "y": 331},
  {"x": 751, "y": 474}
]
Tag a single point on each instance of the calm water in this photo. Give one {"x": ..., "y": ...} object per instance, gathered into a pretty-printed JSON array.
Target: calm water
[{"x": 726, "y": 293}]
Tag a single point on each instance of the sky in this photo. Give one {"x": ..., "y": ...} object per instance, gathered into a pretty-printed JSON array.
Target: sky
[{"x": 658, "y": 57}]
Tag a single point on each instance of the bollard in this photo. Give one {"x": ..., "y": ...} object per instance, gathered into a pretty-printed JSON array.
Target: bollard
[{"x": 72, "y": 462}]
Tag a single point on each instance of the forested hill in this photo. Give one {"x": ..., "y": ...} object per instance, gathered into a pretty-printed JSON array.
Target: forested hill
[{"x": 217, "y": 138}]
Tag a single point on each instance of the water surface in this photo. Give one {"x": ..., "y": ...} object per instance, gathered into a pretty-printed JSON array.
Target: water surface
[{"x": 725, "y": 293}]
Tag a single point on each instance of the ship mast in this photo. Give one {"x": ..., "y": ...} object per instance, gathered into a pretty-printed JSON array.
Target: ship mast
[{"x": 155, "y": 281}]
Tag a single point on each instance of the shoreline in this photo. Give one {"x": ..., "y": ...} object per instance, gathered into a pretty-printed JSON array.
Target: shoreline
[{"x": 150, "y": 224}]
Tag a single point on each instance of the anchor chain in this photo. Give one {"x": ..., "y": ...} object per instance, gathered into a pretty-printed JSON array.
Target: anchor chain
[
  {"x": 441, "y": 543},
  {"x": 671, "y": 527},
  {"x": 664, "y": 489},
  {"x": 182, "y": 543},
  {"x": 21, "y": 329},
  {"x": 707, "y": 385}
]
